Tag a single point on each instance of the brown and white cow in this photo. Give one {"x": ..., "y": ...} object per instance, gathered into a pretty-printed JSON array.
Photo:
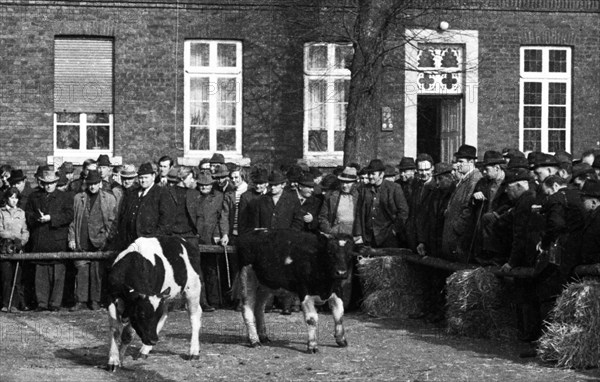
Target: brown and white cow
[
  {"x": 309, "y": 265},
  {"x": 142, "y": 279}
]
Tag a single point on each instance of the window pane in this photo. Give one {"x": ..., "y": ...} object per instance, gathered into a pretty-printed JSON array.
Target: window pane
[
  {"x": 533, "y": 60},
  {"x": 558, "y": 61},
  {"x": 97, "y": 118},
  {"x": 67, "y": 117},
  {"x": 317, "y": 57},
  {"x": 97, "y": 137},
  {"x": 317, "y": 140},
  {"x": 338, "y": 140},
  {"x": 199, "y": 113},
  {"x": 199, "y": 54},
  {"x": 67, "y": 137},
  {"x": 532, "y": 117},
  {"x": 556, "y": 140},
  {"x": 226, "y": 55},
  {"x": 316, "y": 105},
  {"x": 557, "y": 93},
  {"x": 533, "y": 93},
  {"x": 532, "y": 140},
  {"x": 226, "y": 104},
  {"x": 556, "y": 117},
  {"x": 341, "y": 99},
  {"x": 343, "y": 56},
  {"x": 226, "y": 140},
  {"x": 200, "y": 88},
  {"x": 199, "y": 138}
]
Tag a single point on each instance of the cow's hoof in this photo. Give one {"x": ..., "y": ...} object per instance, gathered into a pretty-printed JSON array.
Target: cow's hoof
[
  {"x": 264, "y": 340},
  {"x": 312, "y": 351},
  {"x": 194, "y": 357},
  {"x": 342, "y": 343},
  {"x": 112, "y": 368},
  {"x": 255, "y": 344}
]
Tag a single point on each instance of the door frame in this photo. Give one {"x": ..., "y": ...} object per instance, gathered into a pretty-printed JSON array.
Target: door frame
[{"x": 468, "y": 38}]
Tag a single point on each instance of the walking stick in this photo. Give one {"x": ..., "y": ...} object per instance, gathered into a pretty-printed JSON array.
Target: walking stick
[
  {"x": 14, "y": 284},
  {"x": 227, "y": 265}
]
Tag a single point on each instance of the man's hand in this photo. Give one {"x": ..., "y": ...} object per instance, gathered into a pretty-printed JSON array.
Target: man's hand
[
  {"x": 224, "y": 240},
  {"x": 308, "y": 218},
  {"x": 358, "y": 240},
  {"x": 72, "y": 245},
  {"x": 44, "y": 219},
  {"x": 505, "y": 268},
  {"x": 421, "y": 249},
  {"x": 479, "y": 196}
]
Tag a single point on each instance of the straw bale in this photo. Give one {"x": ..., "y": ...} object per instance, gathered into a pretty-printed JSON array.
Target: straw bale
[
  {"x": 478, "y": 305},
  {"x": 392, "y": 286},
  {"x": 572, "y": 335}
]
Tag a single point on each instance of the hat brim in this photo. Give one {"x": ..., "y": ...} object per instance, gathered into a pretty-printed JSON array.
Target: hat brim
[
  {"x": 307, "y": 184},
  {"x": 346, "y": 180},
  {"x": 128, "y": 175},
  {"x": 49, "y": 180},
  {"x": 494, "y": 162}
]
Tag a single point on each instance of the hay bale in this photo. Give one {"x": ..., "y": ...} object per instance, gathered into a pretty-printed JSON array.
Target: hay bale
[
  {"x": 478, "y": 305},
  {"x": 392, "y": 287},
  {"x": 572, "y": 336}
]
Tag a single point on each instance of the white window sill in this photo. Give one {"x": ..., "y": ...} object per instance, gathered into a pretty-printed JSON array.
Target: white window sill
[
  {"x": 79, "y": 158},
  {"x": 320, "y": 160},
  {"x": 193, "y": 161}
]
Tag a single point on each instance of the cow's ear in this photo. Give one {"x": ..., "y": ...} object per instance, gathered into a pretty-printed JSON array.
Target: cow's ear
[{"x": 165, "y": 293}]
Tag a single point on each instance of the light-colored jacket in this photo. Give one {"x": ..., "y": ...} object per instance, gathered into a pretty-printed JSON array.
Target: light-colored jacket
[
  {"x": 108, "y": 209},
  {"x": 13, "y": 224}
]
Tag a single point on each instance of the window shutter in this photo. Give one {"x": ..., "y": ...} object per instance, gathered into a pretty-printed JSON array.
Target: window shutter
[{"x": 83, "y": 75}]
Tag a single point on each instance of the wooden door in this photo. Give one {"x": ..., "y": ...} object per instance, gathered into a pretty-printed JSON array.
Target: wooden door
[{"x": 451, "y": 136}]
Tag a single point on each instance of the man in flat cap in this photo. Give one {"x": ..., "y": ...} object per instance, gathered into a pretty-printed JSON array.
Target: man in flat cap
[{"x": 381, "y": 210}]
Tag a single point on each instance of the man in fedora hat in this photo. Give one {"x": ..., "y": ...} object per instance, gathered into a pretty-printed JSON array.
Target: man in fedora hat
[
  {"x": 277, "y": 209},
  {"x": 148, "y": 211},
  {"x": 17, "y": 179},
  {"x": 49, "y": 213},
  {"x": 456, "y": 238},
  {"x": 260, "y": 184},
  {"x": 92, "y": 229},
  {"x": 310, "y": 204},
  {"x": 128, "y": 175},
  {"x": 489, "y": 199},
  {"x": 407, "y": 169},
  {"x": 381, "y": 210}
]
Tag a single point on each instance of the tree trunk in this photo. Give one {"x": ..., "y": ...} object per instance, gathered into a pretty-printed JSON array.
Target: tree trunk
[{"x": 364, "y": 101}]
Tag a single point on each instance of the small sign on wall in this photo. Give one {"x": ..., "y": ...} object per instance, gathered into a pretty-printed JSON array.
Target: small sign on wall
[{"x": 386, "y": 119}]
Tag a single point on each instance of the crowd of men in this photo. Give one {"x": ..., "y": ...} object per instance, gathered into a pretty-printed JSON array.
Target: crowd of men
[{"x": 508, "y": 210}]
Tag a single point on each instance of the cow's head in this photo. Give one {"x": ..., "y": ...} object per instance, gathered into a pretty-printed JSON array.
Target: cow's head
[
  {"x": 144, "y": 312},
  {"x": 341, "y": 252}
]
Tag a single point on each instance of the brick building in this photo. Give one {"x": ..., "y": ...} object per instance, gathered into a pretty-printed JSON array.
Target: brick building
[{"x": 266, "y": 82}]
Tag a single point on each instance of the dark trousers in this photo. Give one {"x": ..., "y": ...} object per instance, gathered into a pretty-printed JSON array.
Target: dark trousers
[
  {"x": 7, "y": 274},
  {"x": 88, "y": 282},
  {"x": 49, "y": 284},
  {"x": 211, "y": 278}
]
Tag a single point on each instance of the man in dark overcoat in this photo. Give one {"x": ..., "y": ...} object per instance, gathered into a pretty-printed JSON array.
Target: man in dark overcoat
[
  {"x": 147, "y": 212},
  {"x": 260, "y": 181},
  {"x": 278, "y": 209},
  {"x": 590, "y": 237},
  {"x": 49, "y": 213},
  {"x": 422, "y": 189},
  {"x": 381, "y": 210},
  {"x": 406, "y": 179}
]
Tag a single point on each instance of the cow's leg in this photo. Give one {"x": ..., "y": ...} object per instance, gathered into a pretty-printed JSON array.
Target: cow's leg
[
  {"x": 337, "y": 308},
  {"x": 145, "y": 349},
  {"x": 249, "y": 290},
  {"x": 126, "y": 338},
  {"x": 195, "y": 311},
  {"x": 114, "y": 360},
  {"x": 312, "y": 320},
  {"x": 262, "y": 295}
]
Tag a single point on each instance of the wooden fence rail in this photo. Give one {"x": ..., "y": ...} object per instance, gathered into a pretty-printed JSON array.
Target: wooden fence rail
[{"x": 406, "y": 254}]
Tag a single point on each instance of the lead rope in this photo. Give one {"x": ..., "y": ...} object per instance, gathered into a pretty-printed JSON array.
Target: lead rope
[{"x": 227, "y": 266}]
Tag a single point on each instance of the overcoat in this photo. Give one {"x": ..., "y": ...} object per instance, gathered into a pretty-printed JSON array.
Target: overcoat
[
  {"x": 108, "y": 210},
  {"x": 49, "y": 236},
  {"x": 285, "y": 214},
  {"x": 212, "y": 216},
  {"x": 329, "y": 209}
]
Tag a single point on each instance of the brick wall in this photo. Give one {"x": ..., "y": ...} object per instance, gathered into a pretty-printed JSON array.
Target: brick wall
[{"x": 148, "y": 59}]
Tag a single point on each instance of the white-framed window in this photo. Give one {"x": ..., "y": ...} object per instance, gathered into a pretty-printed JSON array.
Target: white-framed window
[
  {"x": 83, "y": 97},
  {"x": 326, "y": 85},
  {"x": 545, "y": 99},
  {"x": 213, "y": 98}
]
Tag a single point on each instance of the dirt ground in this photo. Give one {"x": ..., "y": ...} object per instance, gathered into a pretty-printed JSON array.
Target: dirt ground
[{"x": 74, "y": 347}]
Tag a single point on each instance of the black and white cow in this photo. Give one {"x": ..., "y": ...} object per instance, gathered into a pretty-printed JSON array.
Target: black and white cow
[
  {"x": 141, "y": 281},
  {"x": 303, "y": 263}
]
